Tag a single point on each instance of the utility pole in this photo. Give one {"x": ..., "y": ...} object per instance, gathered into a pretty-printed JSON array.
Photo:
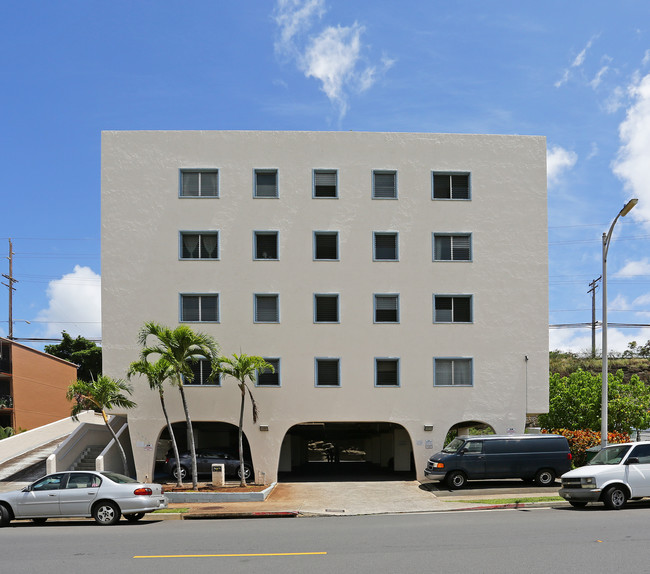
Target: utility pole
[
  {"x": 11, "y": 287},
  {"x": 593, "y": 286}
]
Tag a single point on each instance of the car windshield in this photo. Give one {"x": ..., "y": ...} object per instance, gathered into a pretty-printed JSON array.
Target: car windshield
[
  {"x": 610, "y": 455},
  {"x": 119, "y": 478},
  {"x": 454, "y": 446}
]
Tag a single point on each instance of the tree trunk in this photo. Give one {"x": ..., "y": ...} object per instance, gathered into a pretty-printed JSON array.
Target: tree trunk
[
  {"x": 119, "y": 444},
  {"x": 179, "y": 480},
  {"x": 241, "y": 436},
  {"x": 195, "y": 480}
]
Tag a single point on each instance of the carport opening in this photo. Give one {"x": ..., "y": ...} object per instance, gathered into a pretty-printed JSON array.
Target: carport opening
[
  {"x": 361, "y": 451},
  {"x": 467, "y": 428},
  {"x": 215, "y": 435}
]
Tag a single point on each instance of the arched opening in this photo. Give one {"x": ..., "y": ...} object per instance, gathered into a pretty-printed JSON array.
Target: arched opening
[
  {"x": 468, "y": 428},
  {"x": 349, "y": 451},
  {"x": 208, "y": 436}
]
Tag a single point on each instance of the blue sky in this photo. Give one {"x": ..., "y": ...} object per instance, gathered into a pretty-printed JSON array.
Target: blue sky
[{"x": 576, "y": 72}]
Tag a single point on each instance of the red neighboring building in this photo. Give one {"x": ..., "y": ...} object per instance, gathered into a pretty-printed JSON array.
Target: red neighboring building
[{"x": 32, "y": 386}]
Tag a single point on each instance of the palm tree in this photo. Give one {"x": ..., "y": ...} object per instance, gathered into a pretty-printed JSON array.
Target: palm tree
[
  {"x": 157, "y": 373},
  {"x": 99, "y": 395},
  {"x": 180, "y": 348},
  {"x": 242, "y": 367}
]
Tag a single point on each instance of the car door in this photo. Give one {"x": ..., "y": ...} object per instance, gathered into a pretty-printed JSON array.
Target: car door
[
  {"x": 472, "y": 459},
  {"x": 41, "y": 498},
  {"x": 79, "y": 493},
  {"x": 638, "y": 474}
]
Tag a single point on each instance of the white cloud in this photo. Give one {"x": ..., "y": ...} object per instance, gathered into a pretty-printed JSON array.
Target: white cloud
[
  {"x": 633, "y": 268},
  {"x": 599, "y": 77},
  {"x": 632, "y": 164},
  {"x": 579, "y": 341},
  {"x": 332, "y": 55},
  {"x": 74, "y": 305},
  {"x": 578, "y": 61},
  {"x": 558, "y": 161}
]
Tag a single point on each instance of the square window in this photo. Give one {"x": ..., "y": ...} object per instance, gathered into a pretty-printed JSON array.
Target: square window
[
  {"x": 267, "y": 309},
  {"x": 202, "y": 370},
  {"x": 266, "y": 183},
  {"x": 325, "y": 183},
  {"x": 385, "y": 246},
  {"x": 326, "y": 308},
  {"x": 451, "y": 186},
  {"x": 452, "y": 309},
  {"x": 266, "y": 245},
  {"x": 328, "y": 373},
  {"x": 387, "y": 372},
  {"x": 386, "y": 308},
  {"x": 200, "y": 245},
  {"x": 450, "y": 247},
  {"x": 269, "y": 378},
  {"x": 452, "y": 372},
  {"x": 384, "y": 184},
  {"x": 200, "y": 308},
  {"x": 326, "y": 245},
  {"x": 200, "y": 183}
]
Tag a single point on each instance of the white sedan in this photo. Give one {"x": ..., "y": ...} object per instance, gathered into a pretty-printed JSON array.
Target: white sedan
[{"x": 104, "y": 496}]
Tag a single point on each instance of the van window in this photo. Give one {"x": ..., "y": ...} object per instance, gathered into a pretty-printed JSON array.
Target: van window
[
  {"x": 474, "y": 447},
  {"x": 642, "y": 452},
  {"x": 609, "y": 455},
  {"x": 454, "y": 446}
]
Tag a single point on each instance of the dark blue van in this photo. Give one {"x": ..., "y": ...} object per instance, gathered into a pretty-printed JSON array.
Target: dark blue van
[{"x": 537, "y": 457}]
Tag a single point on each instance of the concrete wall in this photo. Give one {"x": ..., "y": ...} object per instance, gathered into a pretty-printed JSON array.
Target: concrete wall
[{"x": 142, "y": 276}]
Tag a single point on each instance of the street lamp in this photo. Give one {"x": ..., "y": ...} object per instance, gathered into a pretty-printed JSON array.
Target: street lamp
[{"x": 606, "y": 239}]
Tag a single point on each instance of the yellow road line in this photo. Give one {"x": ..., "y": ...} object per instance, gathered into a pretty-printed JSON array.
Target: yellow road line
[{"x": 233, "y": 555}]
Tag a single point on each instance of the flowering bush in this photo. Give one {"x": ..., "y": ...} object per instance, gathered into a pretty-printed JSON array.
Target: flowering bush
[{"x": 581, "y": 440}]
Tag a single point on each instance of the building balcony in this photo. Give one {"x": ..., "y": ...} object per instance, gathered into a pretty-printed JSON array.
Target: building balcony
[{"x": 6, "y": 402}]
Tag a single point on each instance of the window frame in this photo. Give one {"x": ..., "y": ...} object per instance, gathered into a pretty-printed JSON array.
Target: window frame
[
  {"x": 338, "y": 308},
  {"x": 316, "y": 171},
  {"x": 277, "y": 308},
  {"x": 320, "y": 233},
  {"x": 453, "y": 296},
  {"x": 398, "y": 372},
  {"x": 184, "y": 232},
  {"x": 215, "y": 383},
  {"x": 435, "y": 173},
  {"x": 277, "y": 373},
  {"x": 384, "y": 172},
  {"x": 266, "y": 170},
  {"x": 200, "y": 295},
  {"x": 374, "y": 308},
  {"x": 338, "y": 372},
  {"x": 467, "y": 234},
  {"x": 470, "y": 360},
  {"x": 374, "y": 245},
  {"x": 200, "y": 171},
  {"x": 268, "y": 233}
]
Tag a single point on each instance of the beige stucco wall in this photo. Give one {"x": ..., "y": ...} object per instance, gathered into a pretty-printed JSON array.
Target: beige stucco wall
[{"x": 142, "y": 276}]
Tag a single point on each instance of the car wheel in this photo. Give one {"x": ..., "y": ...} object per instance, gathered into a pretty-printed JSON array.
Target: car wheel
[
  {"x": 577, "y": 503},
  {"x": 39, "y": 520},
  {"x": 106, "y": 513},
  {"x": 456, "y": 479},
  {"x": 248, "y": 472},
  {"x": 134, "y": 517},
  {"x": 544, "y": 477},
  {"x": 183, "y": 473},
  {"x": 615, "y": 497},
  {"x": 5, "y": 517}
]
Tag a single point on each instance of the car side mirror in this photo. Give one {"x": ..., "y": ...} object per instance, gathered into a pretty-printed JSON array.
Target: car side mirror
[
  {"x": 632, "y": 460},
  {"x": 27, "y": 488}
]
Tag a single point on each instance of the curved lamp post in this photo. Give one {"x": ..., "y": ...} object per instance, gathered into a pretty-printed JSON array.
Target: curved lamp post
[{"x": 606, "y": 239}]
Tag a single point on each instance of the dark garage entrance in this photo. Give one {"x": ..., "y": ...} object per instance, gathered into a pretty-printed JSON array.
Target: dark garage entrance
[{"x": 352, "y": 451}]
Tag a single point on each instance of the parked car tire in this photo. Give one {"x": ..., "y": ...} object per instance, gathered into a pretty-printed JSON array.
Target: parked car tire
[
  {"x": 577, "y": 503},
  {"x": 456, "y": 479},
  {"x": 615, "y": 497},
  {"x": 544, "y": 477},
  {"x": 106, "y": 513},
  {"x": 248, "y": 472},
  {"x": 184, "y": 472},
  {"x": 39, "y": 520},
  {"x": 5, "y": 517},
  {"x": 134, "y": 517}
]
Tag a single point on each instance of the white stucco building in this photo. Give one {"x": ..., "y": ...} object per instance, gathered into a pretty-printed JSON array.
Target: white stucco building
[{"x": 397, "y": 281}]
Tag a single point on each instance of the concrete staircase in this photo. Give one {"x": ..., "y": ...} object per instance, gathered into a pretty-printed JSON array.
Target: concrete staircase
[
  {"x": 30, "y": 465},
  {"x": 86, "y": 460}
]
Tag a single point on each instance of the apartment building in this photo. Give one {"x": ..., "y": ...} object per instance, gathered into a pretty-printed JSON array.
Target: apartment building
[{"x": 396, "y": 281}]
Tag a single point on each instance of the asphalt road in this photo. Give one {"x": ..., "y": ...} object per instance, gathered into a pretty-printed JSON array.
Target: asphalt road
[{"x": 519, "y": 541}]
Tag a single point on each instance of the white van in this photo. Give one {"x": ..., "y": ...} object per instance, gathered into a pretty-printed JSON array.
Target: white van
[{"x": 616, "y": 474}]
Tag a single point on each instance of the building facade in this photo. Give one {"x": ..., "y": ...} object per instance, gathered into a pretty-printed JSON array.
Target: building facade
[
  {"x": 396, "y": 281},
  {"x": 33, "y": 386}
]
